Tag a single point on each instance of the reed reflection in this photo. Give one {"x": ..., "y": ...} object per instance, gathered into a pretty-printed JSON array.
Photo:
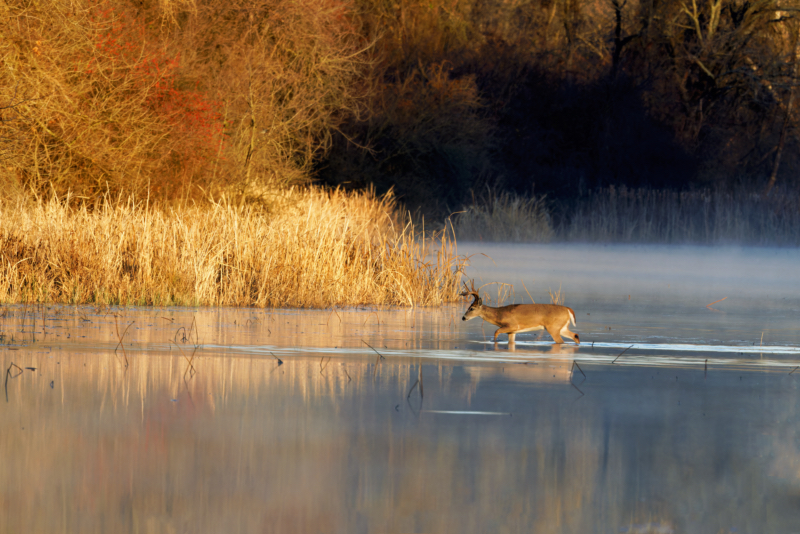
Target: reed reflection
[{"x": 344, "y": 442}]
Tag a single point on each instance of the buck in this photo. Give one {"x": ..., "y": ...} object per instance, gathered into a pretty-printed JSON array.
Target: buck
[{"x": 518, "y": 318}]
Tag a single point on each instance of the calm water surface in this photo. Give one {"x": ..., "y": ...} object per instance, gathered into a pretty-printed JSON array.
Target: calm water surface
[{"x": 366, "y": 420}]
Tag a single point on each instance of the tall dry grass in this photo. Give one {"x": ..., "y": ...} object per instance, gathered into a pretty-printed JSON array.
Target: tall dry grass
[
  {"x": 712, "y": 216},
  {"x": 623, "y": 215},
  {"x": 502, "y": 216},
  {"x": 320, "y": 249}
]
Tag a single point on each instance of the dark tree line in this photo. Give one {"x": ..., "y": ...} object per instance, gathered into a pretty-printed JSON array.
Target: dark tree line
[{"x": 567, "y": 96}]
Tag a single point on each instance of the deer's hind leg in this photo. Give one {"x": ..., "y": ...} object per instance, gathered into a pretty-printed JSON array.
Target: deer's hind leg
[{"x": 554, "y": 333}]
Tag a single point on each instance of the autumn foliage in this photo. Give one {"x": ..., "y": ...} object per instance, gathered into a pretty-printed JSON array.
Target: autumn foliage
[
  {"x": 173, "y": 100},
  {"x": 437, "y": 100}
]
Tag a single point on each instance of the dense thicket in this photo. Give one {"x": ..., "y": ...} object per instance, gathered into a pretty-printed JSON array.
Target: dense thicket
[
  {"x": 188, "y": 98},
  {"x": 570, "y": 96},
  {"x": 174, "y": 98}
]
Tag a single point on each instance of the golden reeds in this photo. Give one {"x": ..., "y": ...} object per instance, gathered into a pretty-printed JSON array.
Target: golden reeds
[{"x": 320, "y": 249}]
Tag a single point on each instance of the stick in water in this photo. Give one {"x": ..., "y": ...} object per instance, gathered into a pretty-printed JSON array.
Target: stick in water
[
  {"x": 621, "y": 353},
  {"x": 574, "y": 365},
  {"x": 376, "y": 352}
]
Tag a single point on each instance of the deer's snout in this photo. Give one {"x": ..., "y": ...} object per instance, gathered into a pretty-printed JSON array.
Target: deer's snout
[{"x": 464, "y": 318}]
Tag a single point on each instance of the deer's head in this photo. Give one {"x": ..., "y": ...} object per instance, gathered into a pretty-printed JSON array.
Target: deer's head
[{"x": 474, "y": 309}]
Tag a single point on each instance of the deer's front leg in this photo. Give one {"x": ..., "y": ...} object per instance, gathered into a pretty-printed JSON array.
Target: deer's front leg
[{"x": 505, "y": 330}]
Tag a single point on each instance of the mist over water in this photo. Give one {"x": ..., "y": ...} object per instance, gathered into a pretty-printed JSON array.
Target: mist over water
[
  {"x": 656, "y": 272},
  {"x": 369, "y": 420},
  {"x": 654, "y": 293}
]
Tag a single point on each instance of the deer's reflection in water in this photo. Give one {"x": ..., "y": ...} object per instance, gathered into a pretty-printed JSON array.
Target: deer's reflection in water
[
  {"x": 552, "y": 350},
  {"x": 556, "y": 367}
]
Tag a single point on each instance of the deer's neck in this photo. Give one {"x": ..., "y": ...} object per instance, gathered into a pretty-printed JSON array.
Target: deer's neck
[{"x": 490, "y": 315}]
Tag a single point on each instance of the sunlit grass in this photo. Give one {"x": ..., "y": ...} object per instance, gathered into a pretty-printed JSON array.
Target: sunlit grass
[{"x": 316, "y": 249}]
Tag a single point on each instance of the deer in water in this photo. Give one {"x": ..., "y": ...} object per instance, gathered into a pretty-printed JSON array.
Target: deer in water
[{"x": 518, "y": 318}]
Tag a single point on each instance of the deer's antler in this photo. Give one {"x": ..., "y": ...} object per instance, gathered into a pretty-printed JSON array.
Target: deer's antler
[{"x": 471, "y": 291}]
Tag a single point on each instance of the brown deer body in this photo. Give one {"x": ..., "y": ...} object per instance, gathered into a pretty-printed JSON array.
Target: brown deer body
[{"x": 518, "y": 318}]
